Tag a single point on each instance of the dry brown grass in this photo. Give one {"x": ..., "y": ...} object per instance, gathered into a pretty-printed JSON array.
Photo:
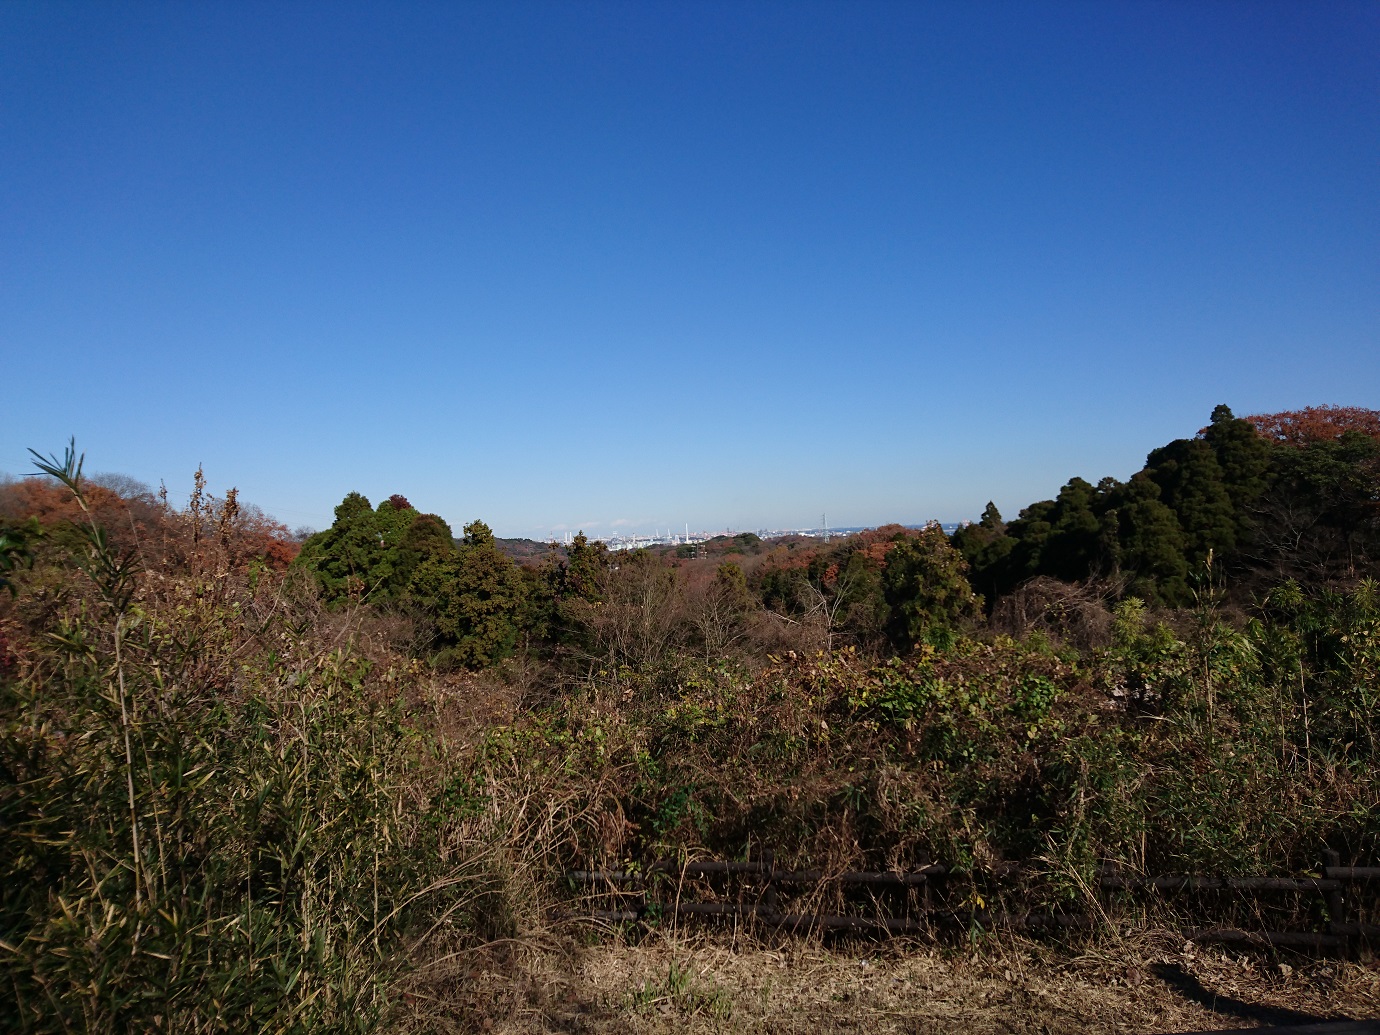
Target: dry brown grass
[{"x": 704, "y": 982}]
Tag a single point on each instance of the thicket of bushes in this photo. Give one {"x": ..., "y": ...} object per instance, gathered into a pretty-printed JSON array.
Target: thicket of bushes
[
  {"x": 1211, "y": 747},
  {"x": 217, "y": 814},
  {"x": 240, "y": 790}
]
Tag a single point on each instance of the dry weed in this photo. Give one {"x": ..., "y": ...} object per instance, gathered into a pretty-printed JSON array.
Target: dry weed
[{"x": 713, "y": 982}]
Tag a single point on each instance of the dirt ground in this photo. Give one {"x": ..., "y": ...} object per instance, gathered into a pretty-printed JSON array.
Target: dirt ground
[{"x": 704, "y": 982}]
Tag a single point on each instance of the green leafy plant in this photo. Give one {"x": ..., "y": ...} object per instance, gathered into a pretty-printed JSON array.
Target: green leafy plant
[{"x": 212, "y": 824}]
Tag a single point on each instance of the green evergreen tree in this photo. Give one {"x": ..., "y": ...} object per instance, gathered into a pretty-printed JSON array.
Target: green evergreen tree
[
  {"x": 561, "y": 591},
  {"x": 926, "y": 588},
  {"x": 986, "y": 547},
  {"x": 1151, "y": 544},
  {"x": 1071, "y": 550},
  {"x": 973, "y": 538},
  {"x": 392, "y": 520},
  {"x": 370, "y": 554},
  {"x": 394, "y": 517},
  {"x": 345, "y": 558},
  {"x": 585, "y": 565},
  {"x": 476, "y": 597},
  {"x": 1245, "y": 457},
  {"x": 1192, "y": 485},
  {"x": 428, "y": 537},
  {"x": 1030, "y": 532},
  {"x": 1243, "y": 454}
]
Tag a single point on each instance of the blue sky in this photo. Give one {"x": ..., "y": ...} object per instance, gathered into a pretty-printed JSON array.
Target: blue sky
[{"x": 635, "y": 265}]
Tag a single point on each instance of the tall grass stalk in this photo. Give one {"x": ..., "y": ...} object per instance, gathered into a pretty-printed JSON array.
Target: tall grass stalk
[{"x": 215, "y": 819}]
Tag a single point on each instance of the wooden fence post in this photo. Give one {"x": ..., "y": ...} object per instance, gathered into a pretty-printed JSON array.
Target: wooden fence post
[
  {"x": 769, "y": 904},
  {"x": 1336, "y": 903}
]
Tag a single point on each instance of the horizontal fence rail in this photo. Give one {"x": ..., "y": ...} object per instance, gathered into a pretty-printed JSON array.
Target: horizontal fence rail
[{"x": 902, "y": 903}]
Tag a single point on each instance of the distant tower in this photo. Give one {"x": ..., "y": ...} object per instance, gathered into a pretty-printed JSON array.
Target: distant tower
[{"x": 824, "y": 520}]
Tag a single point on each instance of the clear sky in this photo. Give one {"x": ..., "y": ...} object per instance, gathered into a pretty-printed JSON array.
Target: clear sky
[{"x": 570, "y": 264}]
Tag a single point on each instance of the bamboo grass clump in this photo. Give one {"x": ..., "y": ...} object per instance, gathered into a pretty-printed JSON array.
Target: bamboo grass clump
[{"x": 212, "y": 822}]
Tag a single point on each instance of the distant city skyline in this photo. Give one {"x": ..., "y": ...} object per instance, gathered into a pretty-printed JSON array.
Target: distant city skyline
[{"x": 636, "y": 541}]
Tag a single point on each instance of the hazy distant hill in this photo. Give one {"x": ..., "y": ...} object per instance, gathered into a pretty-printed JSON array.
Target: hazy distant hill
[{"x": 525, "y": 550}]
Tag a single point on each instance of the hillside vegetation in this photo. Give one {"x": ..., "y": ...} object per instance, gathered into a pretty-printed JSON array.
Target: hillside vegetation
[{"x": 248, "y": 783}]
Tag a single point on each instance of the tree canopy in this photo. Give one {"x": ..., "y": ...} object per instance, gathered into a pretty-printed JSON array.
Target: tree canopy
[
  {"x": 371, "y": 554},
  {"x": 1281, "y": 495}
]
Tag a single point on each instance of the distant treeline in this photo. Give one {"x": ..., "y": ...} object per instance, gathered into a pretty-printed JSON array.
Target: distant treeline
[
  {"x": 1256, "y": 501},
  {"x": 1245, "y": 504}
]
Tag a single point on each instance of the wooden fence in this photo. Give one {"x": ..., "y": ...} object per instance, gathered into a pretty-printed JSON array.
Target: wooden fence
[{"x": 928, "y": 899}]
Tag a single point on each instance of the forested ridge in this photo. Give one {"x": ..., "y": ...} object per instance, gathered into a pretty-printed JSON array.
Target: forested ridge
[
  {"x": 1244, "y": 505},
  {"x": 1265, "y": 499},
  {"x": 253, "y": 780}
]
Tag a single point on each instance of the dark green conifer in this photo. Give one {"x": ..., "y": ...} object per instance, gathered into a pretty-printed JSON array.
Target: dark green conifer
[
  {"x": 345, "y": 557},
  {"x": 1071, "y": 550},
  {"x": 476, "y": 597},
  {"x": 370, "y": 554},
  {"x": 1192, "y": 485},
  {"x": 1152, "y": 544},
  {"x": 1242, "y": 453},
  {"x": 925, "y": 585},
  {"x": 986, "y": 547}
]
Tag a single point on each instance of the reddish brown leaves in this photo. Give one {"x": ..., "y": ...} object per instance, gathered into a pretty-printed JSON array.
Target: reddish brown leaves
[{"x": 1316, "y": 424}]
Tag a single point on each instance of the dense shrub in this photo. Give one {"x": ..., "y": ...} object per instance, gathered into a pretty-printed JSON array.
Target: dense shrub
[
  {"x": 1215, "y": 747},
  {"x": 216, "y": 819}
]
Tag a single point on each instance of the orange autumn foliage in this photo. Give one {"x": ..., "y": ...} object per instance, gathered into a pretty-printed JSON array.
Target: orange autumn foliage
[
  {"x": 873, "y": 544},
  {"x": 876, "y": 543},
  {"x": 259, "y": 536},
  {"x": 243, "y": 534},
  {"x": 51, "y": 503},
  {"x": 1316, "y": 424}
]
